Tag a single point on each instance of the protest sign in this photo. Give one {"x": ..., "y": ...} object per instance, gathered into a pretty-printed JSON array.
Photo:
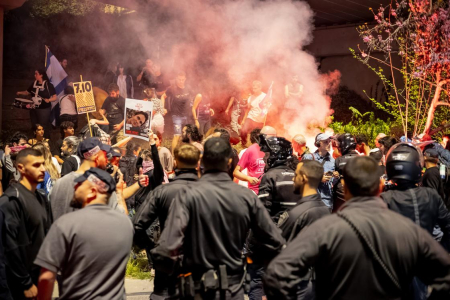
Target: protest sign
[
  {"x": 138, "y": 116},
  {"x": 84, "y": 97}
]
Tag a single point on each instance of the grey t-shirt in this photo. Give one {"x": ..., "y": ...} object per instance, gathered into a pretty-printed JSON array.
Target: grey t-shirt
[
  {"x": 62, "y": 194},
  {"x": 90, "y": 247},
  {"x": 166, "y": 158}
]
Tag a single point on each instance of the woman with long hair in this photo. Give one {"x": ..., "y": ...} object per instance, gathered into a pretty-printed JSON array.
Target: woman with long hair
[
  {"x": 39, "y": 134},
  {"x": 125, "y": 82},
  {"x": 41, "y": 90},
  {"x": 51, "y": 173}
]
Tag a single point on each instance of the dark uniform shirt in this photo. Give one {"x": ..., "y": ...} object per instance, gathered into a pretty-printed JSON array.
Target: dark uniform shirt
[
  {"x": 432, "y": 179},
  {"x": 338, "y": 189},
  {"x": 345, "y": 270},
  {"x": 276, "y": 190},
  {"x": 28, "y": 218},
  {"x": 157, "y": 205},
  {"x": 307, "y": 210},
  {"x": 422, "y": 205},
  {"x": 209, "y": 223}
]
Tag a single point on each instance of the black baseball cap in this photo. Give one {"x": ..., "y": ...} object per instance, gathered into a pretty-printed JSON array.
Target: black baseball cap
[
  {"x": 431, "y": 153},
  {"x": 111, "y": 150},
  {"x": 90, "y": 147},
  {"x": 101, "y": 179}
]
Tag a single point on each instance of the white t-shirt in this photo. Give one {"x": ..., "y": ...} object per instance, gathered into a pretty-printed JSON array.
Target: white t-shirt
[
  {"x": 255, "y": 112},
  {"x": 67, "y": 106},
  {"x": 122, "y": 83},
  {"x": 57, "y": 166}
]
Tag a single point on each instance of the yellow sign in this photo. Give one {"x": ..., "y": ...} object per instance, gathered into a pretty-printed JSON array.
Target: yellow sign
[{"x": 84, "y": 97}]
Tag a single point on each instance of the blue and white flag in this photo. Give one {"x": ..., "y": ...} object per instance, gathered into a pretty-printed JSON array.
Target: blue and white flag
[{"x": 58, "y": 77}]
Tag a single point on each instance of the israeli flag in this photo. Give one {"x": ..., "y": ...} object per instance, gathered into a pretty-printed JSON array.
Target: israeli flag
[{"x": 58, "y": 77}]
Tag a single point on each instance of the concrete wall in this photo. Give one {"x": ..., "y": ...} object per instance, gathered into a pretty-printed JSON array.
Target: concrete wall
[{"x": 331, "y": 47}]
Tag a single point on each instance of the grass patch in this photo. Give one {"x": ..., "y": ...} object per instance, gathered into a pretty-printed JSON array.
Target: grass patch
[{"x": 137, "y": 267}]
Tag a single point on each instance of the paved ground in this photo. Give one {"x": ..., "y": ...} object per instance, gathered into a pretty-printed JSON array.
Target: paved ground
[{"x": 136, "y": 289}]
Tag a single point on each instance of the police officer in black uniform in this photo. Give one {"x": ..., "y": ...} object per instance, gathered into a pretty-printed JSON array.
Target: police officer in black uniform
[
  {"x": 346, "y": 144},
  {"x": 208, "y": 223},
  {"x": 365, "y": 251},
  {"x": 423, "y": 205},
  {"x": 157, "y": 205},
  {"x": 276, "y": 190}
]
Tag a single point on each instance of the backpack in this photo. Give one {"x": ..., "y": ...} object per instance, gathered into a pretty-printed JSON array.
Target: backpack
[{"x": 127, "y": 166}]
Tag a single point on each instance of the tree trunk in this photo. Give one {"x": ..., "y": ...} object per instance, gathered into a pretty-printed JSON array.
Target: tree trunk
[{"x": 434, "y": 104}]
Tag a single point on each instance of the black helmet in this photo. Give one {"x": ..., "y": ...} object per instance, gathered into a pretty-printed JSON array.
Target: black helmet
[
  {"x": 279, "y": 148},
  {"x": 346, "y": 142},
  {"x": 404, "y": 161}
]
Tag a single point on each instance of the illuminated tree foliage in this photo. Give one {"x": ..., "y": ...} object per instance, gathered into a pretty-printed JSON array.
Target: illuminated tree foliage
[
  {"x": 418, "y": 32},
  {"x": 48, "y": 8}
]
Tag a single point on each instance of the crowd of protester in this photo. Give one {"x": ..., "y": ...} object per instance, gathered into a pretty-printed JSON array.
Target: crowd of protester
[
  {"x": 277, "y": 219},
  {"x": 68, "y": 210}
]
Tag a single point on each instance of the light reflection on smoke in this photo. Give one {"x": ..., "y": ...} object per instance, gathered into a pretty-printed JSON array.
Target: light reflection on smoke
[{"x": 234, "y": 42}]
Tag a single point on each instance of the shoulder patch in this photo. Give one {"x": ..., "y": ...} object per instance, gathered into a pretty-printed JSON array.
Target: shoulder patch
[{"x": 283, "y": 218}]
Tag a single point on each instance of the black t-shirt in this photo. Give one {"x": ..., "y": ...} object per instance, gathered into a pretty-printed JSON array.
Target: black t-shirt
[
  {"x": 115, "y": 110},
  {"x": 432, "y": 179},
  {"x": 70, "y": 164},
  {"x": 147, "y": 79},
  {"x": 56, "y": 148},
  {"x": 159, "y": 83},
  {"x": 179, "y": 100},
  {"x": 46, "y": 92}
]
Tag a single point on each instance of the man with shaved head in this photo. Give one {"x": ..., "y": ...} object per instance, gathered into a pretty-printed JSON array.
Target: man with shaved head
[{"x": 299, "y": 146}]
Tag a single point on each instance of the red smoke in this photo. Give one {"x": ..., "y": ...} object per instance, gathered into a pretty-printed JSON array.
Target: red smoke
[{"x": 232, "y": 43}]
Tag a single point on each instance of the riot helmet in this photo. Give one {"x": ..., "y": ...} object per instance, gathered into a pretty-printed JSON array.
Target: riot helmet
[
  {"x": 279, "y": 149},
  {"x": 404, "y": 161},
  {"x": 345, "y": 143}
]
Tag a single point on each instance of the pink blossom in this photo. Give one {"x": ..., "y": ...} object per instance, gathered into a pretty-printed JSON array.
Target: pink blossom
[
  {"x": 366, "y": 39},
  {"x": 363, "y": 54},
  {"x": 393, "y": 13}
]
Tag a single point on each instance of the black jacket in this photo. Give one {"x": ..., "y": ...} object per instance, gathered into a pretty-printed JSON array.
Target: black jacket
[
  {"x": 344, "y": 267},
  {"x": 28, "y": 218},
  {"x": 208, "y": 222},
  {"x": 308, "y": 210},
  {"x": 276, "y": 190},
  {"x": 4, "y": 289},
  {"x": 157, "y": 205},
  {"x": 428, "y": 211},
  {"x": 338, "y": 190},
  {"x": 155, "y": 177}
]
